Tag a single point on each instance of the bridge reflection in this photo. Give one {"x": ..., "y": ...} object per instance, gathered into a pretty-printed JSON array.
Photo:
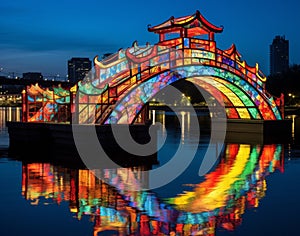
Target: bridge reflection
[{"x": 238, "y": 182}]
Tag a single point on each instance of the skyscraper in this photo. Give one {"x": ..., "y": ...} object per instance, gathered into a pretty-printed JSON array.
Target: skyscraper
[
  {"x": 279, "y": 55},
  {"x": 78, "y": 68}
]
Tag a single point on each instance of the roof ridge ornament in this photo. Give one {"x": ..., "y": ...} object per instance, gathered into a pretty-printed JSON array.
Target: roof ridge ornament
[{"x": 187, "y": 26}]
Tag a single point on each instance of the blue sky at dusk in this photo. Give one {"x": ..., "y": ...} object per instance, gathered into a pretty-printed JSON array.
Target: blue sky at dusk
[{"x": 42, "y": 35}]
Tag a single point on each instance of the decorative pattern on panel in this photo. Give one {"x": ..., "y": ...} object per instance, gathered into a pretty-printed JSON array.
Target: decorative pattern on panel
[{"x": 46, "y": 105}]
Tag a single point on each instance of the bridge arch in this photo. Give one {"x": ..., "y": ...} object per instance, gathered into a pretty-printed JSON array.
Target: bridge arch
[
  {"x": 246, "y": 101},
  {"x": 125, "y": 81}
]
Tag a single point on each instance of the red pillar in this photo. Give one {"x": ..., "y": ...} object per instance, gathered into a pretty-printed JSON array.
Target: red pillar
[{"x": 161, "y": 37}]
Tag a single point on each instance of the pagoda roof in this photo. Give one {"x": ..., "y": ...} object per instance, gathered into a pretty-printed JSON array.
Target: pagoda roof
[
  {"x": 232, "y": 51},
  {"x": 196, "y": 20}
]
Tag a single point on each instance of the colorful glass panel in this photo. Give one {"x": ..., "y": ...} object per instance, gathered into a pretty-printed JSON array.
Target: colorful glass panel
[
  {"x": 47, "y": 105},
  {"x": 234, "y": 100},
  {"x": 190, "y": 71}
]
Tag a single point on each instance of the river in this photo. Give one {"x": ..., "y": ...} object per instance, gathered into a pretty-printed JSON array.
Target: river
[{"x": 253, "y": 189}]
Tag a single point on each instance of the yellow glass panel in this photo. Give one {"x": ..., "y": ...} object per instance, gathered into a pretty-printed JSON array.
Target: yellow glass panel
[
  {"x": 195, "y": 60},
  {"x": 83, "y": 115},
  {"x": 179, "y": 62},
  {"x": 204, "y": 61},
  {"x": 231, "y": 96},
  {"x": 187, "y": 61},
  {"x": 243, "y": 112},
  {"x": 133, "y": 80},
  {"x": 73, "y": 89}
]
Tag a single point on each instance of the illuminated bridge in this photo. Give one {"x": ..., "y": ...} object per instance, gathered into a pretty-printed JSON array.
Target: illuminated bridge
[{"x": 124, "y": 82}]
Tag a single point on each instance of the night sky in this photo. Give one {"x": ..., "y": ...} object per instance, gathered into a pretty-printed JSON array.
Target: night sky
[{"x": 41, "y": 36}]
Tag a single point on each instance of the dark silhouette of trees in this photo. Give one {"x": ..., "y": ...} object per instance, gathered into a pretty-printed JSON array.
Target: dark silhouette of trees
[{"x": 287, "y": 83}]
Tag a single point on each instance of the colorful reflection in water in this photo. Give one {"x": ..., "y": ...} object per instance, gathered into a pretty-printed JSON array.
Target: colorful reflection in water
[{"x": 238, "y": 182}]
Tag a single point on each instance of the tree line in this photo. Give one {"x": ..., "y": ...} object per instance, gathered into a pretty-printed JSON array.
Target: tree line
[{"x": 288, "y": 83}]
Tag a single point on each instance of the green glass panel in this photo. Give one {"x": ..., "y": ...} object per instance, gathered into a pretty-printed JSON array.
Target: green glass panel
[
  {"x": 246, "y": 100},
  {"x": 254, "y": 113}
]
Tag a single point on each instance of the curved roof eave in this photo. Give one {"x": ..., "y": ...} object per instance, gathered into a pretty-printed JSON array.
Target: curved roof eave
[{"x": 175, "y": 23}]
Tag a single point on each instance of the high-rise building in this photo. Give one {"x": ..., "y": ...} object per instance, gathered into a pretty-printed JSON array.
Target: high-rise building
[
  {"x": 78, "y": 68},
  {"x": 279, "y": 55}
]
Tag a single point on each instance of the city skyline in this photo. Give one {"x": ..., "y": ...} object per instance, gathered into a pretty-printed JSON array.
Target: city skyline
[{"x": 42, "y": 37}]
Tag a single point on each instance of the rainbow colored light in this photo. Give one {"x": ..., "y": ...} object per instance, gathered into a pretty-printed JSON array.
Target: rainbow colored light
[{"x": 220, "y": 200}]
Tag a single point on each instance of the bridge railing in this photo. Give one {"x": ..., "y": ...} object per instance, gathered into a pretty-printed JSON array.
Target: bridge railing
[
  {"x": 176, "y": 53},
  {"x": 200, "y": 49}
]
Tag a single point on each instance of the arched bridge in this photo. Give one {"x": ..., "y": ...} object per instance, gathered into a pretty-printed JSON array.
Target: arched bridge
[{"x": 124, "y": 82}]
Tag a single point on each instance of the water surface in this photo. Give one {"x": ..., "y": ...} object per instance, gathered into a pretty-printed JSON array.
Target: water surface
[{"x": 253, "y": 189}]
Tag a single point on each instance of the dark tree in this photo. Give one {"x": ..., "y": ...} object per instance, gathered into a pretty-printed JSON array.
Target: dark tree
[{"x": 287, "y": 83}]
